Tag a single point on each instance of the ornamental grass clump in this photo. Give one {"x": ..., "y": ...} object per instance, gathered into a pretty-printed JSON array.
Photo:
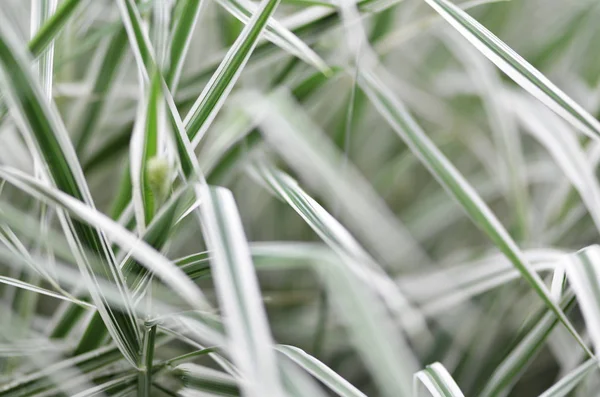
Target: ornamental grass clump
[{"x": 269, "y": 198}]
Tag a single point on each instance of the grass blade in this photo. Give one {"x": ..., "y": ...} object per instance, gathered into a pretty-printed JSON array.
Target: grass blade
[
  {"x": 583, "y": 275},
  {"x": 43, "y": 291},
  {"x": 523, "y": 353},
  {"x": 516, "y": 67},
  {"x": 438, "y": 382},
  {"x": 48, "y": 31},
  {"x": 446, "y": 174},
  {"x": 237, "y": 288},
  {"x": 215, "y": 93},
  {"x": 276, "y": 33},
  {"x": 335, "y": 382},
  {"x": 181, "y": 39}
]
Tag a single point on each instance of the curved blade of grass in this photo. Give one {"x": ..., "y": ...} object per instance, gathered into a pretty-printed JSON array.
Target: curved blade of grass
[
  {"x": 298, "y": 382},
  {"x": 583, "y": 274},
  {"x": 276, "y": 33},
  {"x": 457, "y": 186},
  {"x": 212, "y": 98},
  {"x": 41, "y": 121},
  {"x": 335, "y": 382},
  {"x": 438, "y": 382},
  {"x": 517, "y": 68},
  {"x": 239, "y": 294},
  {"x": 564, "y": 386}
]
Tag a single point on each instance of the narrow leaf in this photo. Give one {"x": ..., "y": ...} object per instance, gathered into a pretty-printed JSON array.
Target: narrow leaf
[{"x": 516, "y": 67}]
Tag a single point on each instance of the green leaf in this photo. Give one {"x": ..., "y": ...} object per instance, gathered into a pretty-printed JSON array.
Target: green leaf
[
  {"x": 182, "y": 37},
  {"x": 92, "y": 108},
  {"x": 48, "y": 31}
]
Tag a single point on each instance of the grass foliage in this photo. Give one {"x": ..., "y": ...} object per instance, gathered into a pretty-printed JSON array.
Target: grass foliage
[{"x": 393, "y": 198}]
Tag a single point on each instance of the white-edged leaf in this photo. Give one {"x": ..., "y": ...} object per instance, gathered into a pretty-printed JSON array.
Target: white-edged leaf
[
  {"x": 180, "y": 40},
  {"x": 437, "y": 382},
  {"x": 276, "y": 33},
  {"x": 34, "y": 288},
  {"x": 320, "y": 371},
  {"x": 516, "y": 67},
  {"x": 40, "y": 122},
  {"x": 213, "y": 96},
  {"x": 239, "y": 295},
  {"x": 583, "y": 273}
]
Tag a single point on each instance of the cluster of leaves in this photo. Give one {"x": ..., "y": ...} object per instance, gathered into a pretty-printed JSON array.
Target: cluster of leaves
[{"x": 386, "y": 186}]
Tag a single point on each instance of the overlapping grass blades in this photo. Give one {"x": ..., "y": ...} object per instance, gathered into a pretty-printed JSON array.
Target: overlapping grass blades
[{"x": 41, "y": 123}]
